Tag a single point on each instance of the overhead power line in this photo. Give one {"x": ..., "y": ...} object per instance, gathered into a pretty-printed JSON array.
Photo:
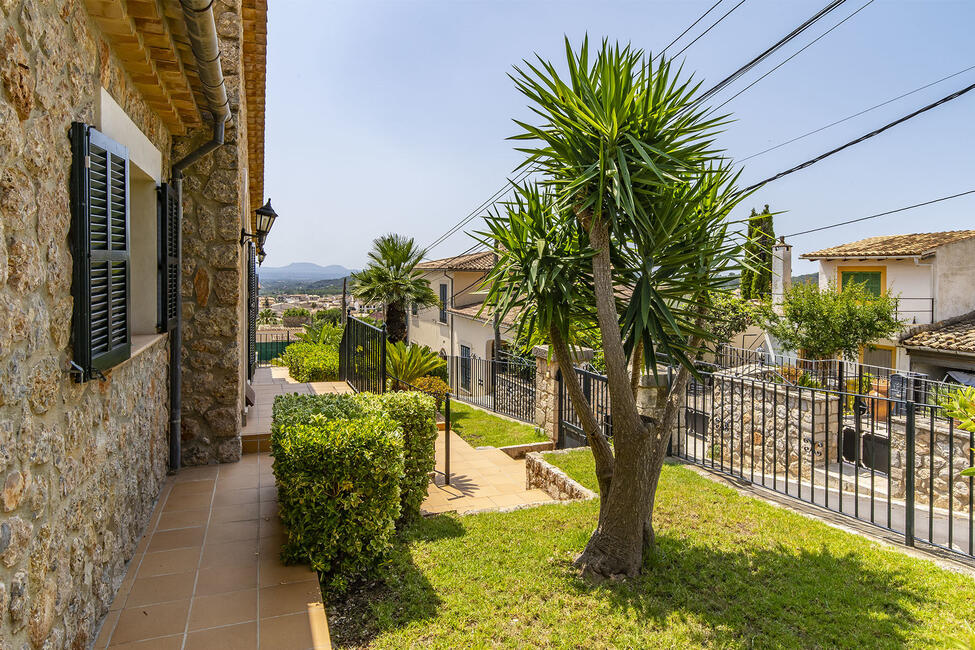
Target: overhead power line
[
  {"x": 881, "y": 214},
  {"x": 689, "y": 28},
  {"x": 857, "y": 114},
  {"x": 713, "y": 25},
  {"x": 866, "y": 136},
  {"x": 771, "y": 50},
  {"x": 796, "y": 53}
]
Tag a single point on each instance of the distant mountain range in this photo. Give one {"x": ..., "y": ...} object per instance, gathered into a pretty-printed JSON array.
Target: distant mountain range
[{"x": 303, "y": 272}]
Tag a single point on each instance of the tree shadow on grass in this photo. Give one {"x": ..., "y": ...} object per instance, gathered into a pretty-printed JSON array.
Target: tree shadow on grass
[
  {"x": 404, "y": 595},
  {"x": 771, "y": 597}
]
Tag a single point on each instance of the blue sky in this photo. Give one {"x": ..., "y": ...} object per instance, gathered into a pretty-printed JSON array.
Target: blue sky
[{"x": 392, "y": 116}]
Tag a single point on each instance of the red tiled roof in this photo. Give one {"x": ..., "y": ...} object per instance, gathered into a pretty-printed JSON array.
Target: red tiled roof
[
  {"x": 483, "y": 261},
  {"x": 951, "y": 335},
  {"x": 892, "y": 245}
]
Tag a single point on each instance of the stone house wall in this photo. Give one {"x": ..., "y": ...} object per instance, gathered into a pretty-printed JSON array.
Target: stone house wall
[
  {"x": 81, "y": 465},
  {"x": 214, "y": 272},
  {"x": 772, "y": 426}
]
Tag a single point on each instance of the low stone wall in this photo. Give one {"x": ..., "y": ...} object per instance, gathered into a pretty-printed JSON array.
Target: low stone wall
[
  {"x": 948, "y": 456},
  {"x": 781, "y": 429},
  {"x": 519, "y": 451},
  {"x": 556, "y": 483}
]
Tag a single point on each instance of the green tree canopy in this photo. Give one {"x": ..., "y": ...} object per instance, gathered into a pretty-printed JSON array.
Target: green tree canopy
[{"x": 824, "y": 324}]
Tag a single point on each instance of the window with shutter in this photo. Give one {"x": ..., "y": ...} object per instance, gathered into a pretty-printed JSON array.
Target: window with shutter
[
  {"x": 170, "y": 218},
  {"x": 443, "y": 303},
  {"x": 100, "y": 243}
]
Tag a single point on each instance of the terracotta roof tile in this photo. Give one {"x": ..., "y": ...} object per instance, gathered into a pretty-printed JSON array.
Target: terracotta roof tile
[
  {"x": 951, "y": 335},
  {"x": 483, "y": 261},
  {"x": 893, "y": 245}
]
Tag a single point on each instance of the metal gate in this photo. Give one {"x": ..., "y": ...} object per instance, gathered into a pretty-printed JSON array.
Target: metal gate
[
  {"x": 362, "y": 356},
  {"x": 505, "y": 386}
]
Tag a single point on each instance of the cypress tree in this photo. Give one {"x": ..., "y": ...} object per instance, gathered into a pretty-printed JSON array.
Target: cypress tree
[{"x": 756, "y": 282}]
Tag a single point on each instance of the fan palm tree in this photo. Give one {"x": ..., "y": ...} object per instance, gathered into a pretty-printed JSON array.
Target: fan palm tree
[
  {"x": 627, "y": 235},
  {"x": 391, "y": 279},
  {"x": 267, "y": 317}
]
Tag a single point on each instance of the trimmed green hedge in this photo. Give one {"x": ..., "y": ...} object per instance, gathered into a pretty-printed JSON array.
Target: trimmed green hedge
[
  {"x": 342, "y": 459},
  {"x": 339, "y": 494},
  {"x": 416, "y": 413},
  {"x": 311, "y": 362}
]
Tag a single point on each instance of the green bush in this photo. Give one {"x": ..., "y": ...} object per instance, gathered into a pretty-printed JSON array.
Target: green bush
[
  {"x": 417, "y": 416},
  {"x": 315, "y": 441},
  {"x": 311, "y": 362},
  {"x": 296, "y": 311},
  {"x": 435, "y": 386},
  {"x": 339, "y": 493},
  {"x": 332, "y": 316}
]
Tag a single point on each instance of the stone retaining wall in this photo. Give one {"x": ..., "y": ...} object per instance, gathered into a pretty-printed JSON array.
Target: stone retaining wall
[
  {"x": 951, "y": 454},
  {"x": 556, "y": 483},
  {"x": 772, "y": 426}
]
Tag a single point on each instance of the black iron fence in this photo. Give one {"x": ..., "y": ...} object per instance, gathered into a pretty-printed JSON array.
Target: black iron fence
[
  {"x": 270, "y": 345},
  {"x": 878, "y": 457},
  {"x": 505, "y": 386},
  {"x": 362, "y": 356}
]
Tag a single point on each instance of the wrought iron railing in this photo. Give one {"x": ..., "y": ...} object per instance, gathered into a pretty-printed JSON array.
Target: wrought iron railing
[
  {"x": 362, "y": 356},
  {"x": 505, "y": 386}
]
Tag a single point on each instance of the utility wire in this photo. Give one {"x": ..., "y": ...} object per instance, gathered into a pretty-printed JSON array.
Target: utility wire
[
  {"x": 867, "y": 136},
  {"x": 881, "y": 214},
  {"x": 797, "y": 53},
  {"x": 524, "y": 173},
  {"x": 768, "y": 52},
  {"x": 699, "y": 36},
  {"x": 858, "y": 114},
  {"x": 689, "y": 28}
]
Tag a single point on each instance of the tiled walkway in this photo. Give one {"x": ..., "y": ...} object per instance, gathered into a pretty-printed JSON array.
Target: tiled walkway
[
  {"x": 480, "y": 479},
  {"x": 207, "y": 573}
]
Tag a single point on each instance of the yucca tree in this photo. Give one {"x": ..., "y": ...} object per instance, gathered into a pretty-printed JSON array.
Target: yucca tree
[
  {"x": 628, "y": 233},
  {"x": 391, "y": 279}
]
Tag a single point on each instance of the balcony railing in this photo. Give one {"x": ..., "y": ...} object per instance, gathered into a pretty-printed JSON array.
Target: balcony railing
[{"x": 915, "y": 311}]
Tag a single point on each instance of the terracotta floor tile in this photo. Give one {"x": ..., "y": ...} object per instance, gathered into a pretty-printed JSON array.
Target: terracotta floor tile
[
  {"x": 163, "y": 643},
  {"x": 161, "y": 589},
  {"x": 268, "y": 493},
  {"x": 178, "y": 538},
  {"x": 271, "y": 572},
  {"x": 182, "y": 519},
  {"x": 187, "y": 502},
  {"x": 218, "y": 580},
  {"x": 269, "y": 509},
  {"x": 123, "y": 591},
  {"x": 291, "y": 631},
  {"x": 197, "y": 473},
  {"x": 232, "y": 531},
  {"x": 270, "y": 526},
  {"x": 223, "y": 609},
  {"x": 229, "y": 554},
  {"x": 235, "y": 497},
  {"x": 506, "y": 500},
  {"x": 232, "y": 637},
  {"x": 288, "y": 598},
  {"x": 163, "y": 562},
  {"x": 270, "y": 546},
  {"x": 148, "y": 622},
  {"x": 241, "y": 512},
  {"x": 105, "y": 633},
  {"x": 201, "y": 486}
]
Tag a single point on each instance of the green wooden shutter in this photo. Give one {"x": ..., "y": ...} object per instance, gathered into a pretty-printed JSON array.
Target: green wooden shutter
[
  {"x": 251, "y": 310},
  {"x": 170, "y": 219},
  {"x": 871, "y": 280},
  {"x": 100, "y": 244}
]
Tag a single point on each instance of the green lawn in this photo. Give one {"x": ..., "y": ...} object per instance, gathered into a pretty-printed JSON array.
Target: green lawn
[
  {"x": 730, "y": 571},
  {"x": 482, "y": 429}
]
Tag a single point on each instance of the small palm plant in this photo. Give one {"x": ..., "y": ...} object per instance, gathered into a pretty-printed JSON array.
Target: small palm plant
[
  {"x": 267, "y": 317},
  {"x": 391, "y": 278},
  {"x": 407, "y": 363}
]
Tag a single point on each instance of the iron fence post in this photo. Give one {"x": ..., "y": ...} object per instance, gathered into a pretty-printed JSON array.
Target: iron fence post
[
  {"x": 559, "y": 439},
  {"x": 446, "y": 440},
  {"x": 839, "y": 418},
  {"x": 909, "y": 477},
  {"x": 382, "y": 361}
]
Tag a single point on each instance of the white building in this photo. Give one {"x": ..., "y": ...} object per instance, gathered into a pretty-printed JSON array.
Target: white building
[
  {"x": 459, "y": 327},
  {"x": 932, "y": 275}
]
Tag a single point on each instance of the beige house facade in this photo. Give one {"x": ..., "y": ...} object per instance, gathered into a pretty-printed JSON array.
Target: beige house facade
[
  {"x": 931, "y": 274},
  {"x": 458, "y": 327},
  {"x": 99, "y": 100}
]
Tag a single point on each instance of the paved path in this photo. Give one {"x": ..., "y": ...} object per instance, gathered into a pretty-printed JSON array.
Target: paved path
[{"x": 207, "y": 574}]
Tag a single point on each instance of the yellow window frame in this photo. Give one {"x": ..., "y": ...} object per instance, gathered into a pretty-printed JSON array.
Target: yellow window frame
[{"x": 840, "y": 270}]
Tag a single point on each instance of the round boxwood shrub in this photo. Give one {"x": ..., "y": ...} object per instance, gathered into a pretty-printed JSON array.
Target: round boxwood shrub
[{"x": 339, "y": 493}]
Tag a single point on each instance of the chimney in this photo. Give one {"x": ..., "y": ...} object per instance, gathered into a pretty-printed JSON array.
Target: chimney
[{"x": 781, "y": 272}]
